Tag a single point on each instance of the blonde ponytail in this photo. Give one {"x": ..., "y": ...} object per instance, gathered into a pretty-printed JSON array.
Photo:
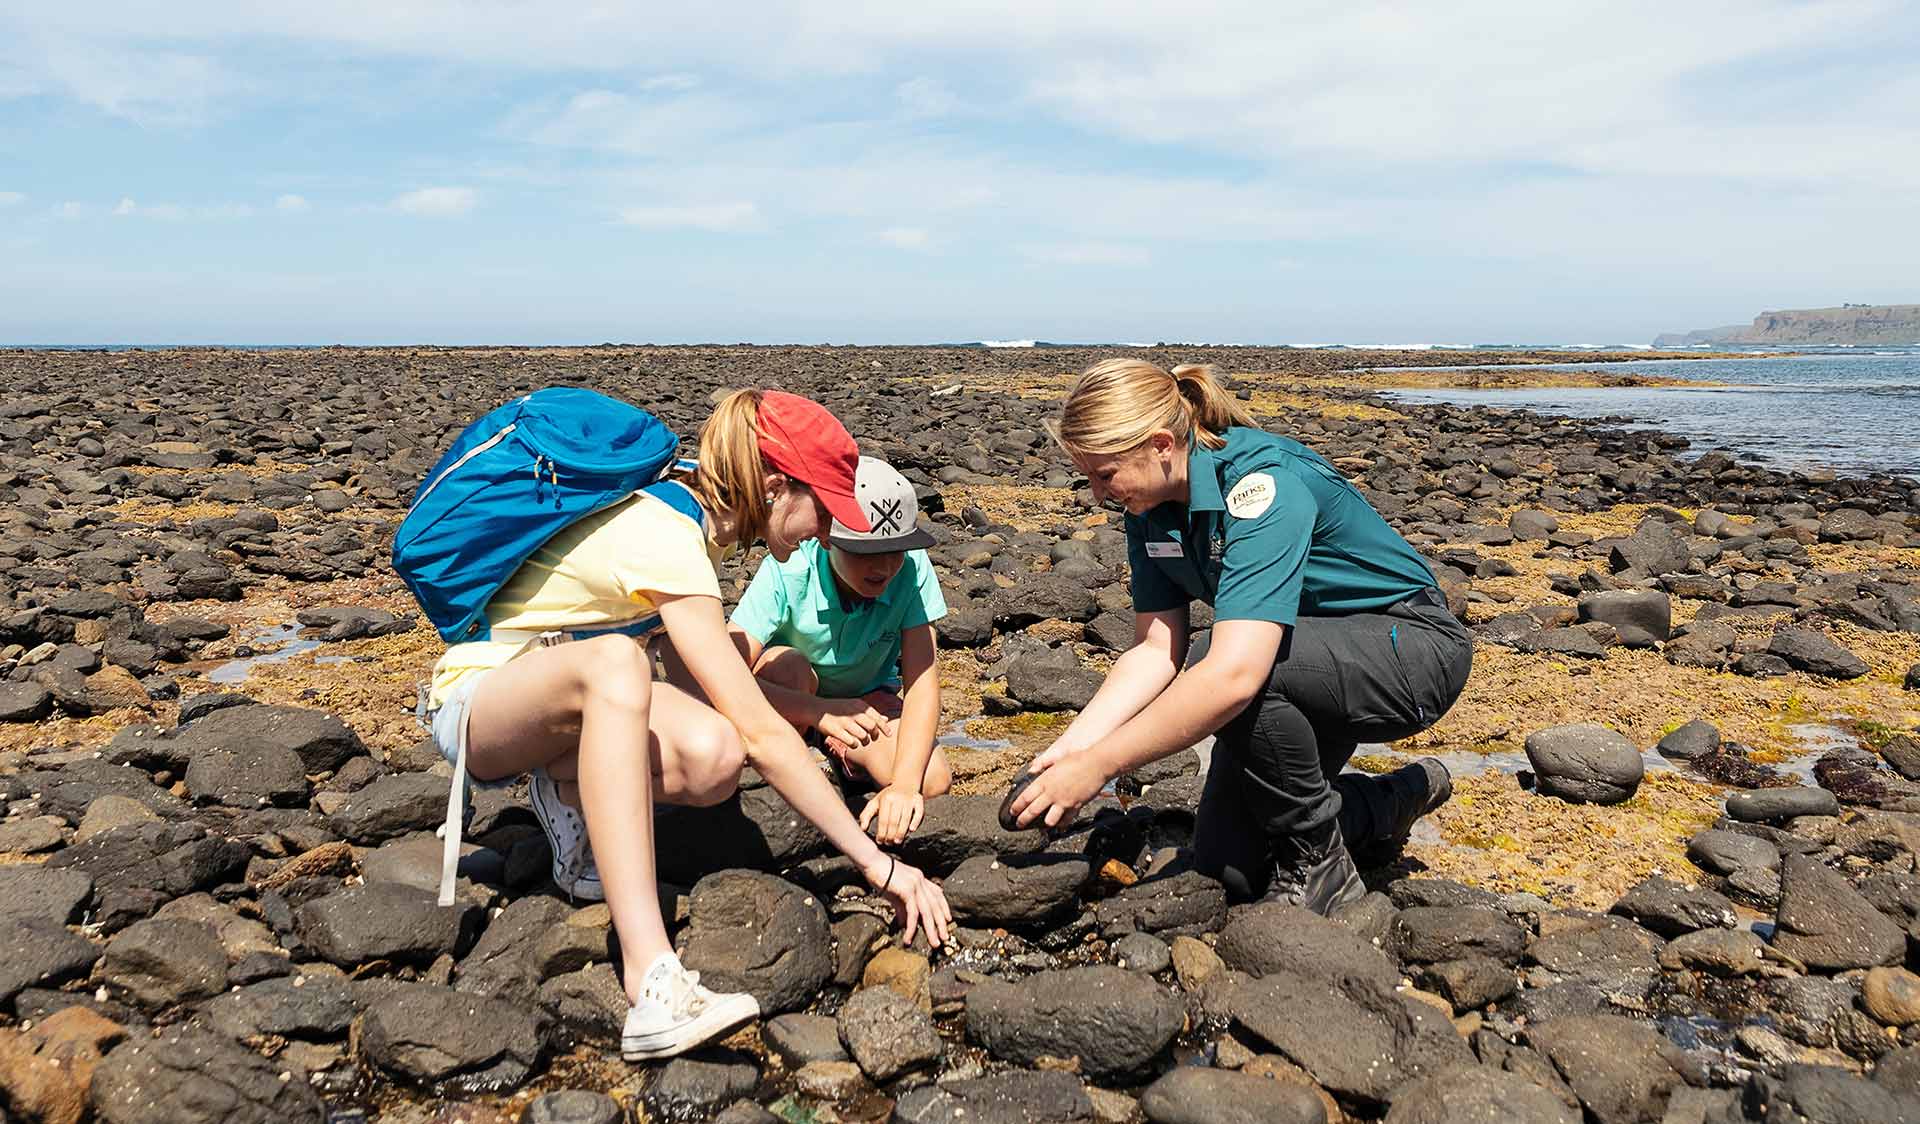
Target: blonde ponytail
[
  {"x": 1214, "y": 411},
  {"x": 732, "y": 478},
  {"x": 1118, "y": 403}
]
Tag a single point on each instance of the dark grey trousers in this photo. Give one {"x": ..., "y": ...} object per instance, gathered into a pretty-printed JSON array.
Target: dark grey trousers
[{"x": 1339, "y": 681}]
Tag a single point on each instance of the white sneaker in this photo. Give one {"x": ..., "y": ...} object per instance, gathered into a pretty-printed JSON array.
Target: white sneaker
[
  {"x": 675, "y": 1014},
  {"x": 573, "y": 866}
]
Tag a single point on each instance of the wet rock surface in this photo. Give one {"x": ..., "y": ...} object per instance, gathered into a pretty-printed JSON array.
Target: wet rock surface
[
  {"x": 1585, "y": 763},
  {"x": 216, "y": 811}
]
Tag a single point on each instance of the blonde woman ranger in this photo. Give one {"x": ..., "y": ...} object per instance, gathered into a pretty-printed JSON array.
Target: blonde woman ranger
[{"x": 1329, "y": 630}]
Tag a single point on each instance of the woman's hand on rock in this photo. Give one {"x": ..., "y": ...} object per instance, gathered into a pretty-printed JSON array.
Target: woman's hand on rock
[
  {"x": 1059, "y": 788},
  {"x": 917, "y": 899}
]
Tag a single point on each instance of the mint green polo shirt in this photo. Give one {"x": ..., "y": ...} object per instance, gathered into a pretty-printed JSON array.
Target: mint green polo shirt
[
  {"x": 853, "y": 645},
  {"x": 1270, "y": 532}
]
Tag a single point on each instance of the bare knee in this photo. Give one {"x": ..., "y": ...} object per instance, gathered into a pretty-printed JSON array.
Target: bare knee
[
  {"x": 786, "y": 667},
  {"x": 614, "y": 675},
  {"x": 711, "y": 759},
  {"x": 939, "y": 776}
]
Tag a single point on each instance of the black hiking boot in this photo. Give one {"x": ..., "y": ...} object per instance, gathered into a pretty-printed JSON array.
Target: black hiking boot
[
  {"x": 1395, "y": 803},
  {"x": 1315, "y": 871}
]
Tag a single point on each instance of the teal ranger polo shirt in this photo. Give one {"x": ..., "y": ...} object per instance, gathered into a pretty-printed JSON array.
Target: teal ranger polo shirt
[
  {"x": 853, "y": 644},
  {"x": 1270, "y": 531}
]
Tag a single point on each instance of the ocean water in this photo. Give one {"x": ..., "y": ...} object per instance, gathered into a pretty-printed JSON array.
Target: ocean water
[{"x": 1854, "y": 411}]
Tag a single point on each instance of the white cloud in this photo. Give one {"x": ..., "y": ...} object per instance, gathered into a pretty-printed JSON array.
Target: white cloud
[
  {"x": 723, "y": 218},
  {"x": 905, "y": 237},
  {"x": 1086, "y": 253},
  {"x": 291, "y": 204},
  {"x": 12, "y": 198},
  {"x": 436, "y": 202},
  {"x": 670, "y": 82},
  {"x": 177, "y": 212},
  {"x": 668, "y": 123},
  {"x": 70, "y": 210},
  {"x": 926, "y": 97}
]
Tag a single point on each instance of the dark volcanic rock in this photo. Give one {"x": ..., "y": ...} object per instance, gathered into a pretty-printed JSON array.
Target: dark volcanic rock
[
  {"x": 691, "y": 1087},
  {"x": 1277, "y": 937},
  {"x": 1019, "y": 1097},
  {"x": 35, "y": 893},
  {"x": 1041, "y": 597},
  {"x": 1776, "y": 805},
  {"x": 40, "y": 954},
  {"x": 1044, "y": 678},
  {"x": 315, "y": 1008},
  {"x": 1585, "y": 763},
  {"x": 385, "y": 921},
  {"x": 1184, "y": 903},
  {"x": 1903, "y": 754},
  {"x": 1382, "y": 1039},
  {"x": 1642, "y": 617},
  {"x": 753, "y": 830},
  {"x": 756, "y": 933},
  {"x": 322, "y": 742},
  {"x": 24, "y": 702},
  {"x": 1695, "y": 739},
  {"x": 1824, "y": 923},
  {"x": 192, "y": 1077},
  {"x": 1481, "y": 1094},
  {"x": 248, "y": 776},
  {"x": 137, "y": 868},
  {"x": 439, "y": 1037},
  {"x": 1622, "y": 1070},
  {"x": 1614, "y": 954},
  {"x": 162, "y": 963},
  {"x": 887, "y": 1034},
  {"x": 797, "y": 1039},
  {"x": 1812, "y": 652},
  {"x": 1113, "y": 1020},
  {"x": 579, "y": 1106},
  {"x": 1654, "y": 548},
  {"x": 1818, "y": 1094},
  {"x": 1429, "y": 934},
  {"x": 1856, "y": 777},
  {"x": 1193, "y": 1095},
  {"x": 1474, "y": 981},
  {"x": 956, "y": 828},
  {"x": 1016, "y": 891},
  {"x": 1670, "y": 909},
  {"x": 391, "y": 806}
]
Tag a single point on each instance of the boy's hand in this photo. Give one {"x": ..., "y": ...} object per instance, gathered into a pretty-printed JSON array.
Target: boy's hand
[
  {"x": 895, "y": 812},
  {"x": 889, "y": 704},
  {"x": 851, "y": 721}
]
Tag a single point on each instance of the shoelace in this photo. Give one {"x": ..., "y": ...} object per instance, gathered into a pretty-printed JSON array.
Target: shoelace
[{"x": 684, "y": 996}]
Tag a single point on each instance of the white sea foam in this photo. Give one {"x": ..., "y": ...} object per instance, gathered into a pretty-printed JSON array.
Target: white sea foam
[{"x": 1008, "y": 343}]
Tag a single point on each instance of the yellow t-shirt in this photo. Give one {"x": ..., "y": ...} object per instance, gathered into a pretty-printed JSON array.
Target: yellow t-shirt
[{"x": 603, "y": 571}]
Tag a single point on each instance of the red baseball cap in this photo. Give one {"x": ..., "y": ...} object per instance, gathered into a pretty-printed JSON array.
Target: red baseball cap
[{"x": 800, "y": 438}]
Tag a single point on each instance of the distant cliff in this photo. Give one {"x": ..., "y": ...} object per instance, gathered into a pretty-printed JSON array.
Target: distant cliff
[{"x": 1848, "y": 324}]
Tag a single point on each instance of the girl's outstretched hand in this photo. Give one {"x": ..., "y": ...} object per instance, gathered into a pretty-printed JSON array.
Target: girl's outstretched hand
[{"x": 916, "y": 898}]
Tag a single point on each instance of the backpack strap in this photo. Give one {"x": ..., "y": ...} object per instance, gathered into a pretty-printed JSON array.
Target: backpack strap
[{"x": 680, "y": 498}]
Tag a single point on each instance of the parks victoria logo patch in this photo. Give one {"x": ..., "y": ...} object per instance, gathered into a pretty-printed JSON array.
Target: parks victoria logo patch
[{"x": 1250, "y": 496}]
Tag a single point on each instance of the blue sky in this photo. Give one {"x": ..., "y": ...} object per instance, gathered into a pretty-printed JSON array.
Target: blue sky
[{"x": 522, "y": 172}]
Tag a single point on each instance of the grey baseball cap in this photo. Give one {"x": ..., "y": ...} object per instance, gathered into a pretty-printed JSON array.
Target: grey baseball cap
[{"x": 891, "y": 508}]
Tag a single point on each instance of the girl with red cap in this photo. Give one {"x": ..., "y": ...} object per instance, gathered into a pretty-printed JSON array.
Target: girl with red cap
[{"x": 772, "y": 467}]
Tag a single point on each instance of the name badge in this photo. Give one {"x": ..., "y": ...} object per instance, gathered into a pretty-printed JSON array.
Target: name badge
[{"x": 1165, "y": 550}]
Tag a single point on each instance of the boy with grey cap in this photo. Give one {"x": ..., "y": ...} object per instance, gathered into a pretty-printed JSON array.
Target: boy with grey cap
[{"x": 841, "y": 637}]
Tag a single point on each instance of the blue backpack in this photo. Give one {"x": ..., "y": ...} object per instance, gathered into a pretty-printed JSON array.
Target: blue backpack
[{"x": 511, "y": 481}]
